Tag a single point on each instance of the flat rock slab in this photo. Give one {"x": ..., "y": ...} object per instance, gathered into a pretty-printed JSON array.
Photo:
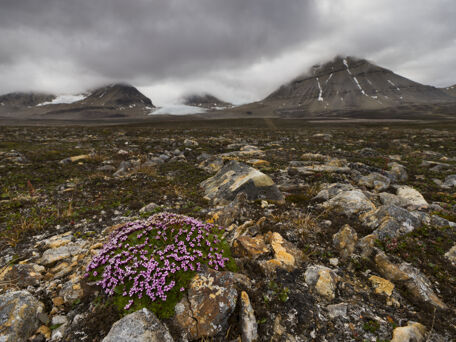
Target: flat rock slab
[{"x": 236, "y": 177}]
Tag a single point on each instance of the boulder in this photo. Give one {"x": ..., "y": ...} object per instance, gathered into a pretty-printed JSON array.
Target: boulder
[
  {"x": 375, "y": 181},
  {"x": 210, "y": 301},
  {"x": 19, "y": 316},
  {"x": 412, "y": 196},
  {"x": 345, "y": 241},
  {"x": 349, "y": 203},
  {"x": 413, "y": 332},
  {"x": 450, "y": 182},
  {"x": 236, "y": 177},
  {"x": 397, "y": 172},
  {"x": 323, "y": 280},
  {"x": 139, "y": 326},
  {"x": 251, "y": 247},
  {"x": 451, "y": 255}
]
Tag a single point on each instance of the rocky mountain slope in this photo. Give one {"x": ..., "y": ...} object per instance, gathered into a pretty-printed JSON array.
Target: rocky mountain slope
[
  {"x": 336, "y": 233},
  {"x": 115, "y": 101},
  {"x": 450, "y": 90},
  {"x": 20, "y": 100},
  {"x": 205, "y": 101}
]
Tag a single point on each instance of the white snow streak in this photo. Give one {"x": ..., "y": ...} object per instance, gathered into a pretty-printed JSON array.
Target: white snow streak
[
  {"x": 320, "y": 95},
  {"x": 397, "y": 88},
  {"x": 177, "y": 110},
  {"x": 330, "y": 76},
  {"x": 359, "y": 86}
]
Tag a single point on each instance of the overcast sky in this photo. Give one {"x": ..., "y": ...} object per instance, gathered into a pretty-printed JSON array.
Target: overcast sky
[{"x": 239, "y": 50}]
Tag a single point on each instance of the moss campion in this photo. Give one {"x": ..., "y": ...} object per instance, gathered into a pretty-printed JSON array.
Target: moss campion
[{"x": 150, "y": 262}]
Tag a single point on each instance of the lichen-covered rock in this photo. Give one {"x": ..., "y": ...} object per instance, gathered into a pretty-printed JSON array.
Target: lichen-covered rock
[
  {"x": 210, "y": 301},
  {"x": 286, "y": 255},
  {"x": 413, "y": 332},
  {"x": 19, "y": 316},
  {"x": 382, "y": 285},
  {"x": 412, "y": 196},
  {"x": 417, "y": 284},
  {"x": 397, "y": 172},
  {"x": 23, "y": 275},
  {"x": 345, "y": 241},
  {"x": 349, "y": 203},
  {"x": 236, "y": 177},
  {"x": 323, "y": 279},
  {"x": 450, "y": 182},
  {"x": 390, "y": 221},
  {"x": 451, "y": 255},
  {"x": 249, "y": 324},
  {"x": 375, "y": 181},
  {"x": 251, "y": 247},
  {"x": 139, "y": 326}
]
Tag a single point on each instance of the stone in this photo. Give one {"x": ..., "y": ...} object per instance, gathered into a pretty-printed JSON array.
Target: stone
[
  {"x": 337, "y": 310},
  {"x": 413, "y": 332},
  {"x": 450, "y": 182},
  {"x": 286, "y": 255},
  {"x": 382, "y": 285},
  {"x": 149, "y": 208},
  {"x": 210, "y": 301},
  {"x": 249, "y": 326},
  {"x": 417, "y": 284},
  {"x": 390, "y": 221},
  {"x": 345, "y": 241},
  {"x": 391, "y": 199},
  {"x": 62, "y": 323},
  {"x": 212, "y": 164},
  {"x": 22, "y": 275},
  {"x": 45, "y": 331},
  {"x": 323, "y": 279},
  {"x": 349, "y": 203},
  {"x": 71, "y": 291},
  {"x": 19, "y": 316},
  {"x": 139, "y": 326},
  {"x": 52, "y": 255},
  {"x": 412, "y": 196},
  {"x": 190, "y": 143},
  {"x": 75, "y": 159},
  {"x": 236, "y": 177},
  {"x": 251, "y": 247},
  {"x": 375, "y": 181},
  {"x": 451, "y": 255},
  {"x": 398, "y": 172}
]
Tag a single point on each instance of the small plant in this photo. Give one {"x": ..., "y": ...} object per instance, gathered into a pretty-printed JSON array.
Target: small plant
[{"x": 149, "y": 263}]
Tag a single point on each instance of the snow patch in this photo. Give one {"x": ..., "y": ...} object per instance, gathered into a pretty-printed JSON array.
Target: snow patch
[
  {"x": 368, "y": 81},
  {"x": 330, "y": 76},
  {"x": 320, "y": 95},
  {"x": 177, "y": 110},
  {"x": 63, "y": 99},
  {"x": 397, "y": 88},
  {"x": 359, "y": 86}
]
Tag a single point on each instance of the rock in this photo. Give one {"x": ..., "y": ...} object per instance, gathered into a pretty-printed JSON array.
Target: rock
[
  {"x": 19, "y": 316},
  {"x": 231, "y": 212},
  {"x": 349, "y": 203},
  {"x": 190, "y": 143},
  {"x": 390, "y": 199},
  {"x": 251, "y": 247},
  {"x": 236, "y": 177},
  {"x": 412, "y": 196},
  {"x": 212, "y": 164},
  {"x": 375, "y": 181},
  {"x": 52, "y": 255},
  {"x": 332, "y": 190},
  {"x": 45, "y": 331},
  {"x": 286, "y": 255},
  {"x": 382, "y": 285},
  {"x": 397, "y": 172},
  {"x": 75, "y": 159},
  {"x": 149, "y": 208},
  {"x": 390, "y": 221},
  {"x": 62, "y": 323},
  {"x": 417, "y": 284},
  {"x": 450, "y": 182},
  {"x": 345, "y": 241},
  {"x": 23, "y": 275},
  {"x": 210, "y": 301},
  {"x": 337, "y": 310},
  {"x": 249, "y": 326},
  {"x": 139, "y": 326},
  {"x": 323, "y": 279},
  {"x": 413, "y": 332},
  {"x": 258, "y": 162},
  {"x": 72, "y": 291},
  {"x": 451, "y": 255},
  {"x": 106, "y": 168}
]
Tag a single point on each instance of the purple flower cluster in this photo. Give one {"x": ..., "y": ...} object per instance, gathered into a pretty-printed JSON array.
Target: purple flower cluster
[{"x": 143, "y": 258}]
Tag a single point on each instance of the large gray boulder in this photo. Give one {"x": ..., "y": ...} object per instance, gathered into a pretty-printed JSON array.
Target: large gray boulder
[
  {"x": 139, "y": 326},
  {"x": 19, "y": 316},
  {"x": 236, "y": 177},
  {"x": 349, "y": 203}
]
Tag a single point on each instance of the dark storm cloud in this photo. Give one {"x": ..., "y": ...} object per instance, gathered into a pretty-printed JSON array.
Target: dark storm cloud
[{"x": 239, "y": 49}]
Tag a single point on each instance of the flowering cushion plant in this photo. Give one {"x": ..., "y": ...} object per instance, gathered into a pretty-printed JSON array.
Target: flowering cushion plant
[{"x": 149, "y": 263}]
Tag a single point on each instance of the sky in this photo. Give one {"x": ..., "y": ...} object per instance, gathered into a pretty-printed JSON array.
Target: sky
[{"x": 238, "y": 50}]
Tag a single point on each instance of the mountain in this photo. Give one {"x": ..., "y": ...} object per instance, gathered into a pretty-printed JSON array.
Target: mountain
[
  {"x": 19, "y": 100},
  {"x": 117, "y": 95},
  {"x": 115, "y": 101},
  {"x": 205, "y": 101},
  {"x": 450, "y": 90},
  {"x": 351, "y": 83}
]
